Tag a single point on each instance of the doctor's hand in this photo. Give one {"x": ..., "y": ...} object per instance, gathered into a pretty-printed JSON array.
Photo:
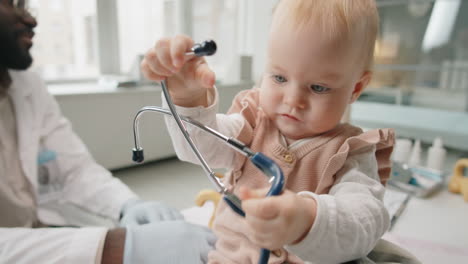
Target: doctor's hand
[
  {"x": 168, "y": 242},
  {"x": 276, "y": 221},
  {"x": 188, "y": 77},
  {"x": 139, "y": 212}
]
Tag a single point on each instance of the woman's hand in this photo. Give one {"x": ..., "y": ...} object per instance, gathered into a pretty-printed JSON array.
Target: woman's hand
[
  {"x": 188, "y": 78},
  {"x": 276, "y": 221}
]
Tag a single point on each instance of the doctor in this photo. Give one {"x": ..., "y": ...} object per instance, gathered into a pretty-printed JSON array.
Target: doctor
[{"x": 40, "y": 155}]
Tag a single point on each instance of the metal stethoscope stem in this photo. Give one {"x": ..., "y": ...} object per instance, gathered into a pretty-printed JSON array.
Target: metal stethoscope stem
[{"x": 239, "y": 146}]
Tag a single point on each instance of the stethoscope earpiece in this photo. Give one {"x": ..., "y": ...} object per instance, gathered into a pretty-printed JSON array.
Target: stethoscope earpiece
[{"x": 206, "y": 48}]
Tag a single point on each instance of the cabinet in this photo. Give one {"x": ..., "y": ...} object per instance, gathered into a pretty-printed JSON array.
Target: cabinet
[
  {"x": 420, "y": 81},
  {"x": 421, "y": 56}
]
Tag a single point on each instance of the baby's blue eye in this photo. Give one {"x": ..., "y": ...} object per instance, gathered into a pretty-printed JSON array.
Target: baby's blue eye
[
  {"x": 279, "y": 78},
  {"x": 319, "y": 88}
]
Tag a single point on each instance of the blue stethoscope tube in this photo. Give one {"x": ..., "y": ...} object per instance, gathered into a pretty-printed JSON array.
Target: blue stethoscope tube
[{"x": 262, "y": 162}]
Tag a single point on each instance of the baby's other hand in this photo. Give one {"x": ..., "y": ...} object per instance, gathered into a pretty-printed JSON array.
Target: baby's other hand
[
  {"x": 276, "y": 221},
  {"x": 187, "y": 77}
]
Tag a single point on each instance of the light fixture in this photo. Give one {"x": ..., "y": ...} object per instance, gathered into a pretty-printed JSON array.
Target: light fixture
[{"x": 441, "y": 24}]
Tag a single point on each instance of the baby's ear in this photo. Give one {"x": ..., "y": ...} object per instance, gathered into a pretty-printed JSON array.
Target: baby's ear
[{"x": 360, "y": 86}]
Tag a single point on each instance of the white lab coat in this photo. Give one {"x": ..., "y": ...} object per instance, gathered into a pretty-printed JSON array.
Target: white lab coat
[{"x": 82, "y": 183}]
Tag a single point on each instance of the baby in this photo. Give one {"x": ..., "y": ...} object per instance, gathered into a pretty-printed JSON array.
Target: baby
[{"x": 320, "y": 55}]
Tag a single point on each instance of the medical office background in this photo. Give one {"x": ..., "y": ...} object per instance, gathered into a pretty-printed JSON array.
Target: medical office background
[{"x": 88, "y": 52}]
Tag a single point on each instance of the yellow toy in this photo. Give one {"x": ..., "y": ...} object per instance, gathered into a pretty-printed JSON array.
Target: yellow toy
[
  {"x": 209, "y": 195},
  {"x": 458, "y": 183},
  {"x": 214, "y": 196}
]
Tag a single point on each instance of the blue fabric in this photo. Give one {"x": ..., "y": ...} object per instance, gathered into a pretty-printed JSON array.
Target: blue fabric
[
  {"x": 46, "y": 156},
  {"x": 175, "y": 242}
]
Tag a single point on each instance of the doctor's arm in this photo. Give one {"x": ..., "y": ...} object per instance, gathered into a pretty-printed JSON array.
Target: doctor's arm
[
  {"x": 85, "y": 183},
  {"x": 163, "y": 242}
]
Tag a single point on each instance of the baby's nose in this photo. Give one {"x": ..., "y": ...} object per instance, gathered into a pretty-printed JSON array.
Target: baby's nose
[{"x": 295, "y": 98}]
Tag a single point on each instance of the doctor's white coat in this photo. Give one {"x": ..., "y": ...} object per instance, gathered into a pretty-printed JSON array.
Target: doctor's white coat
[{"x": 82, "y": 183}]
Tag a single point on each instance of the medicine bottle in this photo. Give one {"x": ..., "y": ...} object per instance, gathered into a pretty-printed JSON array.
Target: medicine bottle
[{"x": 436, "y": 155}]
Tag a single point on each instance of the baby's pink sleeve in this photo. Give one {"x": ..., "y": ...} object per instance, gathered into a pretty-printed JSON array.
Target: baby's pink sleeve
[
  {"x": 383, "y": 139},
  {"x": 246, "y": 104},
  {"x": 383, "y": 153}
]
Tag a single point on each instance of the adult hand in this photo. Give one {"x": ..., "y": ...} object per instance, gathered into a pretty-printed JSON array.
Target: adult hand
[
  {"x": 139, "y": 212},
  {"x": 187, "y": 78},
  {"x": 276, "y": 221},
  {"x": 168, "y": 242}
]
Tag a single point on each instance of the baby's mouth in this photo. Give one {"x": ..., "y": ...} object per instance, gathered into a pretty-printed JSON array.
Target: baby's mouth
[{"x": 290, "y": 117}]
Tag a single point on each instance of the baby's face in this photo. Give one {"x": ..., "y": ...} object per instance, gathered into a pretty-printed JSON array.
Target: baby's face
[{"x": 308, "y": 81}]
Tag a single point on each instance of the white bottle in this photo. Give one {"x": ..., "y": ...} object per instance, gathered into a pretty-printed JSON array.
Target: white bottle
[
  {"x": 402, "y": 150},
  {"x": 436, "y": 155},
  {"x": 415, "y": 157}
]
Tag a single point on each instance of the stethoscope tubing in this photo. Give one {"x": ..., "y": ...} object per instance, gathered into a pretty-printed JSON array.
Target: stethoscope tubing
[
  {"x": 261, "y": 161},
  {"x": 265, "y": 164}
]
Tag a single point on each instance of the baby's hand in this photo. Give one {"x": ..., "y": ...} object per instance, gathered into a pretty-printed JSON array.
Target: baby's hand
[
  {"x": 187, "y": 78},
  {"x": 276, "y": 221}
]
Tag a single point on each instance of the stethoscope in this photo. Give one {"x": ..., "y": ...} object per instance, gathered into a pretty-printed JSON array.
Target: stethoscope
[{"x": 265, "y": 164}]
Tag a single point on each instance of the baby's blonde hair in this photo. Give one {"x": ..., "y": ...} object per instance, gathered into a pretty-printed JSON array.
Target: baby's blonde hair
[{"x": 338, "y": 20}]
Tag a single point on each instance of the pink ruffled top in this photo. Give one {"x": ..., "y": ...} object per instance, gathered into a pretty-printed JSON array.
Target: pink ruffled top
[{"x": 312, "y": 166}]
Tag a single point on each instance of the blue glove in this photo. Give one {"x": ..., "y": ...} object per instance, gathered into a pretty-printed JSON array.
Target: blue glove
[
  {"x": 138, "y": 212},
  {"x": 168, "y": 242}
]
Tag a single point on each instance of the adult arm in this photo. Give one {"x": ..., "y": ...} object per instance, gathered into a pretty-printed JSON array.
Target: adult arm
[
  {"x": 51, "y": 245},
  {"x": 85, "y": 183},
  {"x": 176, "y": 242},
  {"x": 114, "y": 245}
]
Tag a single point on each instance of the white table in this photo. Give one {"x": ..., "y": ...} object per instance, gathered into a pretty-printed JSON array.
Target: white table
[{"x": 434, "y": 229}]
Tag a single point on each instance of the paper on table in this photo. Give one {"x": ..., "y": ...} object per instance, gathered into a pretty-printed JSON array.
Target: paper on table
[
  {"x": 430, "y": 252},
  {"x": 395, "y": 202},
  {"x": 199, "y": 215}
]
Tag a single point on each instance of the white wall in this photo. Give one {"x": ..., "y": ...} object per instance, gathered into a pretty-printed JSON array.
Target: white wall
[
  {"x": 254, "y": 24},
  {"x": 262, "y": 13},
  {"x": 104, "y": 120}
]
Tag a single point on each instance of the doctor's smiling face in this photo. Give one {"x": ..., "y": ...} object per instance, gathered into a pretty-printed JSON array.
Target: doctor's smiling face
[{"x": 16, "y": 33}]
